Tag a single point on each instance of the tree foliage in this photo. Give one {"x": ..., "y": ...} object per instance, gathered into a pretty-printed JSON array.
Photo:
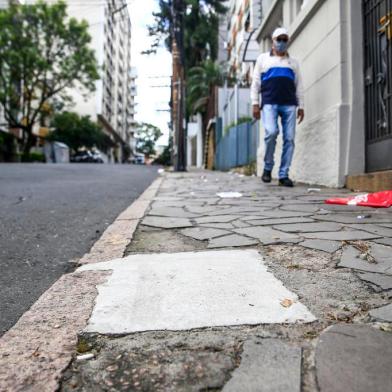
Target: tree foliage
[
  {"x": 201, "y": 21},
  {"x": 42, "y": 53},
  {"x": 200, "y": 81},
  {"x": 146, "y": 137},
  {"x": 79, "y": 131}
]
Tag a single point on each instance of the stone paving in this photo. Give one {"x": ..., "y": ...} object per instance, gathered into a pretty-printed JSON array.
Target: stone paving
[{"x": 337, "y": 260}]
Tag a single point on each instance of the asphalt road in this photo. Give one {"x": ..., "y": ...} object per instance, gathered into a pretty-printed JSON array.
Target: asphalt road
[{"x": 51, "y": 215}]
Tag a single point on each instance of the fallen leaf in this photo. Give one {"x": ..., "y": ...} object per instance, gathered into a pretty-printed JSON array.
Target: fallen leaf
[{"x": 286, "y": 303}]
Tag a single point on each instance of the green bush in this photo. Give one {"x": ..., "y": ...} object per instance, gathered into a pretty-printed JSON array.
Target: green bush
[
  {"x": 241, "y": 120},
  {"x": 33, "y": 157}
]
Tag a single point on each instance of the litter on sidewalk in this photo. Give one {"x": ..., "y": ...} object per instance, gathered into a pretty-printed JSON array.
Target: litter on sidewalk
[
  {"x": 229, "y": 195},
  {"x": 377, "y": 199}
]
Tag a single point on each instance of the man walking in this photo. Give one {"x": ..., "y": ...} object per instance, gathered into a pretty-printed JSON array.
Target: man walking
[{"x": 277, "y": 77}]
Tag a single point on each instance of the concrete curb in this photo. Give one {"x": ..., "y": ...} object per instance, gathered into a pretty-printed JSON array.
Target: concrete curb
[
  {"x": 115, "y": 239},
  {"x": 39, "y": 347}
]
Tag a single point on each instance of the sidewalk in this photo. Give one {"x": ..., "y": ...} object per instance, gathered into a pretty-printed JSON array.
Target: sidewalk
[{"x": 270, "y": 291}]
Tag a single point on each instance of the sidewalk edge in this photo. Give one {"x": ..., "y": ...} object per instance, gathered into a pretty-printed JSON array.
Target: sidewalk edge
[
  {"x": 115, "y": 239},
  {"x": 35, "y": 352}
]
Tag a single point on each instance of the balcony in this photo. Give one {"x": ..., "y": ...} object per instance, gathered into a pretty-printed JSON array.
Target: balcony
[{"x": 133, "y": 72}]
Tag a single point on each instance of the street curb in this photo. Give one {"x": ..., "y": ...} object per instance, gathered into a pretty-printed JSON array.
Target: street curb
[
  {"x": 115, "y": 239},
  {"x": 35, "y": 352}
]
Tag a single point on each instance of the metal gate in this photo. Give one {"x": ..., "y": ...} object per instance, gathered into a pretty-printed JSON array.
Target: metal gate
[{"x": 378, "y": 83}]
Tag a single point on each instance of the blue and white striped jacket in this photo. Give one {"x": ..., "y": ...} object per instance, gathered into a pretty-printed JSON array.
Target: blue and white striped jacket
[{"x": 278, "y": 80}]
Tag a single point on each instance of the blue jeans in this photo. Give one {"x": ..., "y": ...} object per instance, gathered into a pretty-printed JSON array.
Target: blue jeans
[{"x": 270, "y": 121}]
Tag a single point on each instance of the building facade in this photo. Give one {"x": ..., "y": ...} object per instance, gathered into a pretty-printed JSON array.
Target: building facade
[
  {"x": 113, "y": 102},
  {"x": 345, "y": 52}
]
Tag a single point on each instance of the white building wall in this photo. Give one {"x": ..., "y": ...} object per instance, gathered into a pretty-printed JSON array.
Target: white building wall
[{"x": 326, "y": 37}]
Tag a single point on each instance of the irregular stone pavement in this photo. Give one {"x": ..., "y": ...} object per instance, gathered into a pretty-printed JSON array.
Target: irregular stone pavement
[{"x": 336, "y": 259}]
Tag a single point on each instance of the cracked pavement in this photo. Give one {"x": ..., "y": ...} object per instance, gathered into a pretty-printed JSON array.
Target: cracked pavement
[{"x": 336, "y": 260}]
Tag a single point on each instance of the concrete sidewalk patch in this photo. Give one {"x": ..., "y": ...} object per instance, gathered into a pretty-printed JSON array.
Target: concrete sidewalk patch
[{"x": 181, "y": 291}]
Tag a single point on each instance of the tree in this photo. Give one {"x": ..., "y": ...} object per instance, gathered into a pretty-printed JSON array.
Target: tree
[
  {"x": 166, "y": 155},
  {"x": 78, "y": 132},
  {"x": 201, "y": 80},
  {"x": 42, "y": 54},
  {"x": 146, "y": 136},
  {"x": 201, "y": 21}
]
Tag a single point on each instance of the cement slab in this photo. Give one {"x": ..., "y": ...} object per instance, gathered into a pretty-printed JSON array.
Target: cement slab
[
  {"x": 233, "y": 240},
  {"x": 309, "y": 227},
  {"x": 374, "y": 229},
  {"x": 166, "y": 222},
  {"x": 384, "y": 241},
  {"x": 267, "y": 365},
  {"x": 181, "y": 291},
  {"x": 284, "y": 214},
  {"x": 380, "y": 280},
  {"x": 351, "y": 259},
  {"x": 353, "y": 218},
  {"x": 171, "y": 212},
  {"x": 323, "y": 245},
  {"x": 382, "y": 314},
  {"x": 354, "y": 358},
  {"x": 217, "y": 219},
  {"x": 279, "y": 221},
  {"x": 267, "y": 236},
  {"x": 203, "y": 233},
  {"x": 347, "y": 235},
  {"x": 228, "y": 226}
]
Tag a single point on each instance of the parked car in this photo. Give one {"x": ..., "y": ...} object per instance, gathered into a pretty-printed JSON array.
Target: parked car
[
  {"x": 87, "y": 156},
  {"x": 97, "y": 157},
  {"x": 138, "y": 159}
]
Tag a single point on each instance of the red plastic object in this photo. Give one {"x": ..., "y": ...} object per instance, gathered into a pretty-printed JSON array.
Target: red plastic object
[{"x": 378, "y": 199}]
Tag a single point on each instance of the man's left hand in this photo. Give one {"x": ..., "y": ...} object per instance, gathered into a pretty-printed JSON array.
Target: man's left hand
[{"x": 300, "y": 115}]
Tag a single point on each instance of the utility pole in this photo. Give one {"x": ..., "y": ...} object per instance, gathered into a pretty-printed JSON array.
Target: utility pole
[{"x": 178, "y": 85}]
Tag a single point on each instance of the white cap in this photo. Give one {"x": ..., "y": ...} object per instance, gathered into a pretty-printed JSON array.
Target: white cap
[{"x": 279, "y": 31}]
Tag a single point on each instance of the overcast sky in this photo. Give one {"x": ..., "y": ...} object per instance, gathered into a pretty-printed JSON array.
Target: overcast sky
[{"x": 150, "y": 99}]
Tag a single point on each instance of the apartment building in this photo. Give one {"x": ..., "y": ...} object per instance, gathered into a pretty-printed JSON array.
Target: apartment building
[{"x": 113, "y": 102}]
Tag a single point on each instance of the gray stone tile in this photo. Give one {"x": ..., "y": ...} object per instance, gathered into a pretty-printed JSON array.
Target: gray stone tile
[
  {"x": 346, "y": 208},
  {"x": 284, "y": 214},
  {"x": 323, "y": 245},
  {"x": 239, "y": 224},
  {"x": 235, "y": 211},
  {"x": 354, "y": 358},
  {"x": 352, "y": 218},
  {"x": 384, "y": 241},
  {"x": 203, "y": 233},
  {"x": 202, "y": 210},
  {"x": 347, "y": 235},
  {"x": 171, "y": 212},
  {"x": 351, "y": 259},
  {"x": 279, "y": 221},
  {"x": 166, "y": 222},
  {"x": 232, "y": 240},
  {"x": 309, "y": 227},
  {"x": 382, "y": 314},
  {"x": 267, "y": 236},
  {"x": 380, "y": 280},
  {"x": 375, "y": 229},
  {"x": 218, "y": 225},
  {"x": 267, "y": 365},
  {"x": 217, "y": 219},
  {"x": 301, "y": 207}
]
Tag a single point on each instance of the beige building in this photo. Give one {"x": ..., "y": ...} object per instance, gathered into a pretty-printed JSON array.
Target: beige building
[{"x": 345, "y": 49}]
